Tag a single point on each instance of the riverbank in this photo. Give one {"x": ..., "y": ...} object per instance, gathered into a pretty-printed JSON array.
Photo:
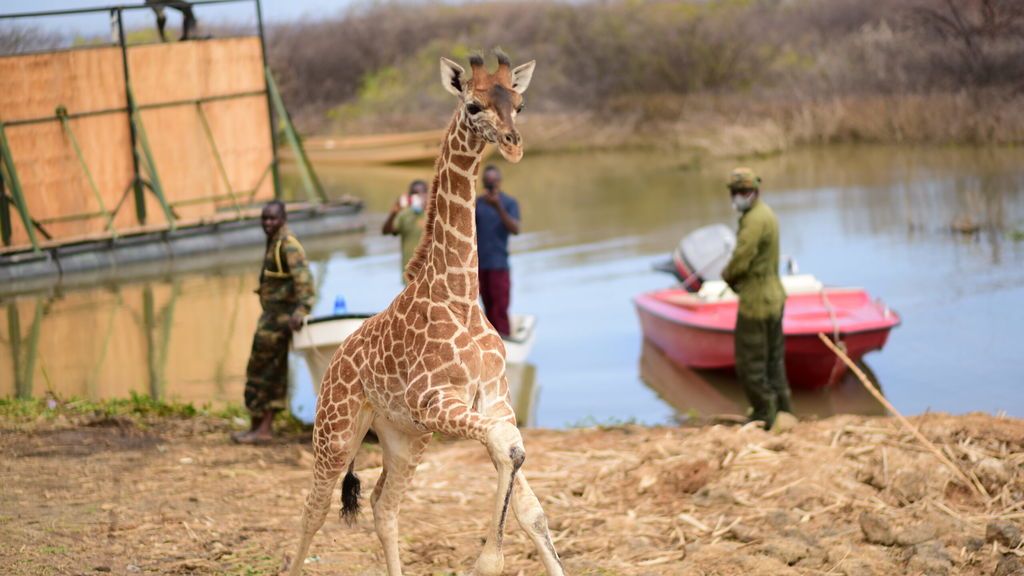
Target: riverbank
[
  {"x": 889, "y": 72},
  {"x": 704, "y": 127},
  {"x": 167, "y": 494}
]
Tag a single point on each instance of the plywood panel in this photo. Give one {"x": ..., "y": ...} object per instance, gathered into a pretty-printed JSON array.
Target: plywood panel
[
  {"x": 54, "y": 182},
  {"x": 83, "y": 80},
  {"x": 182, "y": 157},
  {"x": 191, "y": 70},
  {"x": 242, "y": 131},
  {"x": 88, "y": 80}
]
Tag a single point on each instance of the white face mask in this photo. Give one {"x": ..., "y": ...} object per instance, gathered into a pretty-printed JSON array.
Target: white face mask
[
  {"x": 743, "y": 202},
  {"x": 416, "y": 203}
]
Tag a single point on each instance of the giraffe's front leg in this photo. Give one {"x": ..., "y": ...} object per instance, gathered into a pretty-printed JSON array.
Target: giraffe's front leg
[
  {"x": 446, "y": 412},
  {"x": 494, "y": 400},
  {"x": 532, "y": 519},
  {"x": 505, "y": 446}
]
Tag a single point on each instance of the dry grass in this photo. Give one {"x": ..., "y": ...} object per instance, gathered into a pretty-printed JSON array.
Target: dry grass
[{"x": 848, "y": 495}]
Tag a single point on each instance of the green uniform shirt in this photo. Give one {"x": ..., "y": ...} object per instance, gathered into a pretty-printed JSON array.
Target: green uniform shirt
[
  {"x": 753, "y": 271},
  {"x": 285, "y": 282},
  {"x": 409, "y": 225}
]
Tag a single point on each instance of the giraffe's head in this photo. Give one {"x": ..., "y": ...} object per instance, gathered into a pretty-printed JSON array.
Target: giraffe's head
[{"x": 491, "y": 102}]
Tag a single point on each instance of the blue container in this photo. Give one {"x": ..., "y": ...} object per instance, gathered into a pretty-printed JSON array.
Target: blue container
[{"x": 339, "y": 305}]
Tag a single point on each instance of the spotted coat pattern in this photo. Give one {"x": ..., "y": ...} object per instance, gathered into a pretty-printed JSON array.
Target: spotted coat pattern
[{"x": 431, "y": 362}]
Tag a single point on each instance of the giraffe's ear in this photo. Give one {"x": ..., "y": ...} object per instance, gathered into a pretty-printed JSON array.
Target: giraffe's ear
[
  {"x": 521, "y": 76},
  {"x": 452, "y": 76}
]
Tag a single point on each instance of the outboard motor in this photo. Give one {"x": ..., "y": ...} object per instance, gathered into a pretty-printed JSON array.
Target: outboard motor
[{"x": 701, "y": 255}]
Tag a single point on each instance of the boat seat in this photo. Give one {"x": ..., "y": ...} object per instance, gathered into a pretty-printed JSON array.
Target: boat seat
[
  {"x": 801, "y": 284},
  {"x": 719, "y": 291}
]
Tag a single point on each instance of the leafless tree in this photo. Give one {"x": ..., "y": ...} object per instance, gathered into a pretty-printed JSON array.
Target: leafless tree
[
  {"x": 20, "y": 39},
  {"x": 986, "y": 36}
]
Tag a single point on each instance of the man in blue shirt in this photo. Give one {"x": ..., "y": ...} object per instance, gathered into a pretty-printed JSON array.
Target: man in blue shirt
[{"x": 497, "y": 216}]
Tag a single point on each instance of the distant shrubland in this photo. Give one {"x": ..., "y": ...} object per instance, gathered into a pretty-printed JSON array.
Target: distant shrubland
[
  {"x": 728, "y": 76},
  {"x": 735, "y": 75}
]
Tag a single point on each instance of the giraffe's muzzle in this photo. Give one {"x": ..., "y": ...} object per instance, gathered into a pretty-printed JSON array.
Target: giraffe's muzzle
[{"x": 511, "y": 145}]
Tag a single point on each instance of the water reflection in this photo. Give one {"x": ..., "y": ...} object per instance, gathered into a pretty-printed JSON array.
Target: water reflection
[
  {"x": 185, "y": 338},
  {"x": 875, "y": 217},
  {"x": 717, "y": 393}
]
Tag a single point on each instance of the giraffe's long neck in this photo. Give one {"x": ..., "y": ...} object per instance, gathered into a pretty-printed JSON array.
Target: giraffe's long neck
[{"x": 451, "y": 258}]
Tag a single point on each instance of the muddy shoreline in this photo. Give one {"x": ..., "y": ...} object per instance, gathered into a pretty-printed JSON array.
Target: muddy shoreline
[{"x": 845, "y": 495}]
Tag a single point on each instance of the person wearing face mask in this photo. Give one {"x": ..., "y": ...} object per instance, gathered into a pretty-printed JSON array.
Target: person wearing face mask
[
  {"x": 406, "y": 220},
  {"x": 497, "y": 217},
  {"x": 753, "y": 273}
]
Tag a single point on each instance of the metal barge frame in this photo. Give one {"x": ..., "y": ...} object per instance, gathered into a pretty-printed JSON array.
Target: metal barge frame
[{"x": 34, "y": 254}]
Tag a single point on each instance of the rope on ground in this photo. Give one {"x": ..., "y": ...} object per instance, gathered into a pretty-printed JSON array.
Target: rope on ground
[
  {"x": 957, "y": 471},
  {"x": 832, "y": 317},
  {"x": 837, "y": 368}
]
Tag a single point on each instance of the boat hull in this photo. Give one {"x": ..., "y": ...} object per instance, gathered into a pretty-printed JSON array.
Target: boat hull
[
  {"x": 809, "y": 363},
  {"x": 318, "y": 341},
  {"x": 321, "y": 337}
]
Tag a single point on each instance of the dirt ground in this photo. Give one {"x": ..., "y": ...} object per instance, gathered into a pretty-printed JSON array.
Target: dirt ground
[{"x": 847, "y": 495}]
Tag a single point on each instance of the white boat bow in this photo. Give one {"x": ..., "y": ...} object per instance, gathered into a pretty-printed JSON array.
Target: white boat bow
[{"x": 320, "y": 338}]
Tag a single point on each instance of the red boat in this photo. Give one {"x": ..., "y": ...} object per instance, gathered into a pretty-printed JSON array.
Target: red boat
[{"x": 696, "y": 329}]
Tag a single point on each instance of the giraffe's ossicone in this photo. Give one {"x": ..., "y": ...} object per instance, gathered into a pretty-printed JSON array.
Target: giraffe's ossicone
[{"x": 431, "y": 362}]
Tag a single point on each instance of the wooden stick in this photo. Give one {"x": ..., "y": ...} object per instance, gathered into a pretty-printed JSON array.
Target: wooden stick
[{"x": 977, "y": 487}]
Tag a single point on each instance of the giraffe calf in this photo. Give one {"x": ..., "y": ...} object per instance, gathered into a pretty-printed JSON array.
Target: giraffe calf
[{"x": 431, "y": 362}]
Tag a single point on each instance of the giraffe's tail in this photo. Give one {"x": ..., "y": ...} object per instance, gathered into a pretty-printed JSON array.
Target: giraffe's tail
[{"x": 350, "y": 488}]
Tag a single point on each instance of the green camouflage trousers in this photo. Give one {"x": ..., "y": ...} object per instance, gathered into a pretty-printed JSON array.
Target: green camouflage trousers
[
  {"x": 266, "y": 384},
  {"x": 760, "y": 366}
]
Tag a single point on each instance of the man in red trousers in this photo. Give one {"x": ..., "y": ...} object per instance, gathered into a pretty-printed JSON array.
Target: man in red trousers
[{"x": 497, "y": 217}]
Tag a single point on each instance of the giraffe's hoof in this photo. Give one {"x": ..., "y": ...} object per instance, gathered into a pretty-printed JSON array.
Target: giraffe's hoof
[
  {"x": 286, "y": 564},
  {"x": 489, "y": 564}
]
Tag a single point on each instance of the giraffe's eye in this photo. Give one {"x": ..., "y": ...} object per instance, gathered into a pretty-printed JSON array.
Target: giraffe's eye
[
  {"x": 473, "y": 108},
  {"x": 522, "y": 105}
]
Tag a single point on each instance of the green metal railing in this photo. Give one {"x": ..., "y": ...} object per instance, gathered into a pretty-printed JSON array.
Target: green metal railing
[
  {"x": 149, "y": 163},
  {"x": 62, "y": 113},
  {"x": 216, "y": 156},
  {"x": 5, "y": 210},
  {"x": 148, "y": 176},
  {"x": 17, "y": 195},
  {"x": 314, "y": 190}
]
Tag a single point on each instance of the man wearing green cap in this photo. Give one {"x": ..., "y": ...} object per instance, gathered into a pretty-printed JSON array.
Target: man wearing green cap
[{"x": 753, "y": 273}]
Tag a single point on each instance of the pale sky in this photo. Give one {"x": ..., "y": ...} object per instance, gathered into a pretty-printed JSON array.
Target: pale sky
[{"x": 242, "y": 12}]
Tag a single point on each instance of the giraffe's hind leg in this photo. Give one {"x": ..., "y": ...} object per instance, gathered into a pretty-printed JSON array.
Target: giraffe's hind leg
[
  {"x": 342, "y": 420},
  {"x": 402, "y": 453}
]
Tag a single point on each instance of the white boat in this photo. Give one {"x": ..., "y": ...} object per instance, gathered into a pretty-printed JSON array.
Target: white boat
[
  {"x": 321, "y": 336},
  {"x": 519, "y": 344}
]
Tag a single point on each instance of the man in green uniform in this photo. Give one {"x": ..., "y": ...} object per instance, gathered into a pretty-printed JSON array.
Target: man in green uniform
[
  {"x": 406, "y": 220},
  {"x": 286, "y": 296},
  {"x": 753, "y": 273}
]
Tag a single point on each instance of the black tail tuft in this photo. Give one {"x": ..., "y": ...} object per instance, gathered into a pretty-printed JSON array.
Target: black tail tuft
[{"x": 350, "y": 489}]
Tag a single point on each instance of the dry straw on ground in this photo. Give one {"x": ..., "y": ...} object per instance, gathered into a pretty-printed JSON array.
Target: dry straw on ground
[{"x": 848, "y": 495}]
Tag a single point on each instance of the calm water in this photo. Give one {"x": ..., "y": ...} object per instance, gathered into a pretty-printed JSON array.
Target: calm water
[{"x": 593, "y": 224}]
